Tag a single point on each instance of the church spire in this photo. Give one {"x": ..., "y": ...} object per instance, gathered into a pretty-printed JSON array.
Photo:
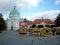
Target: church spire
[{"x": 14, "y": 7}]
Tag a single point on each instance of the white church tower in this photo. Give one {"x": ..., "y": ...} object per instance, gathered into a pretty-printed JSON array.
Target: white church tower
[{"x": 13, "y": 20}]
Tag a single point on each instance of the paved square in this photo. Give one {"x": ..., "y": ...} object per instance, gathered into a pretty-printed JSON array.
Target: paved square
[{"x": 12, "y": 38}]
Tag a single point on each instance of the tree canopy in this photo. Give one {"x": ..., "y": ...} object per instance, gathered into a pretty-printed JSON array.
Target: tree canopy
[
  {"x": 2, "y": 24},
  {"x": 25, "y": 20},
  {"x": 57, "y": 21},
  {"x": 33, "y": 26}
]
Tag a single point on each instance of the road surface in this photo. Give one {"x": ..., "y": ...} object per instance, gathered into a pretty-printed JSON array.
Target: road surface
[{"x": 12, "y": 38}]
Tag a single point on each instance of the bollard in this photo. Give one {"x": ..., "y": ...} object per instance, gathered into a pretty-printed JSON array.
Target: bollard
[{"x": 32, "y": 42}]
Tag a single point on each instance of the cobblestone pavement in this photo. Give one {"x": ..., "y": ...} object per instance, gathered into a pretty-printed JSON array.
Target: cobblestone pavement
[{"x": 12, "y": 38}]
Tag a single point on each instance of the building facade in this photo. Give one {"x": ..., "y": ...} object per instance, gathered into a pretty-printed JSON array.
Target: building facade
[
  {"x": 39, "y": 22},
  {"x": 13, "y": 20}
]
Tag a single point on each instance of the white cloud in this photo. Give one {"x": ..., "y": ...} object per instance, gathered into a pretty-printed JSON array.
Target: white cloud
[
  {"x": 7, "y": 5},
  {"x": 27, "y": 3},
  {"x": 57, "y": 2},
  {"x": 52, "y": 14}
]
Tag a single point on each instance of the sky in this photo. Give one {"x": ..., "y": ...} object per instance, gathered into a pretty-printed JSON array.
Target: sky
[{"x": 31, "y": 9}]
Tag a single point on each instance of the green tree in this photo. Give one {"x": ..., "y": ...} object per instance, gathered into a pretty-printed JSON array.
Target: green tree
[
  {"x": 25, "y": 20},
  {"x": 2, "y": 24},
  {"x": 57, "y": 21},
  {"x": 33, "y": 26}
]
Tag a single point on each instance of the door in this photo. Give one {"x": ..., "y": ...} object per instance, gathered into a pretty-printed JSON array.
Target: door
[{"x": 11, "y": 27}]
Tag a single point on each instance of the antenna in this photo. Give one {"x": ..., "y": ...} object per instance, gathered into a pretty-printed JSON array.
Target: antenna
[
  {"x": 42, "y": 18},
  {"x": 14, "y": 7}
]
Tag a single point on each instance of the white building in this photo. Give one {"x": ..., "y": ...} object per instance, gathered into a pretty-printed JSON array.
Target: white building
[
  {"x": 13, "y": 20},
  {"x": 40, "y": 23}
]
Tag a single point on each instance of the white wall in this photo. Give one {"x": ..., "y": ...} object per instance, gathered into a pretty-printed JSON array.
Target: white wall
[{"x": 15, "y": 23}]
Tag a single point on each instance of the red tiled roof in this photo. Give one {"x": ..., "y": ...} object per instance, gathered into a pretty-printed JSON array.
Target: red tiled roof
[
  {"x": 29, "y": 23},
  {"x": 38, "y": 21},
  {"x": 47, "y": 21}
]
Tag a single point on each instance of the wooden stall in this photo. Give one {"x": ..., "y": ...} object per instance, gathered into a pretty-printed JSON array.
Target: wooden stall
[{"x": 22, "y": 31}]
